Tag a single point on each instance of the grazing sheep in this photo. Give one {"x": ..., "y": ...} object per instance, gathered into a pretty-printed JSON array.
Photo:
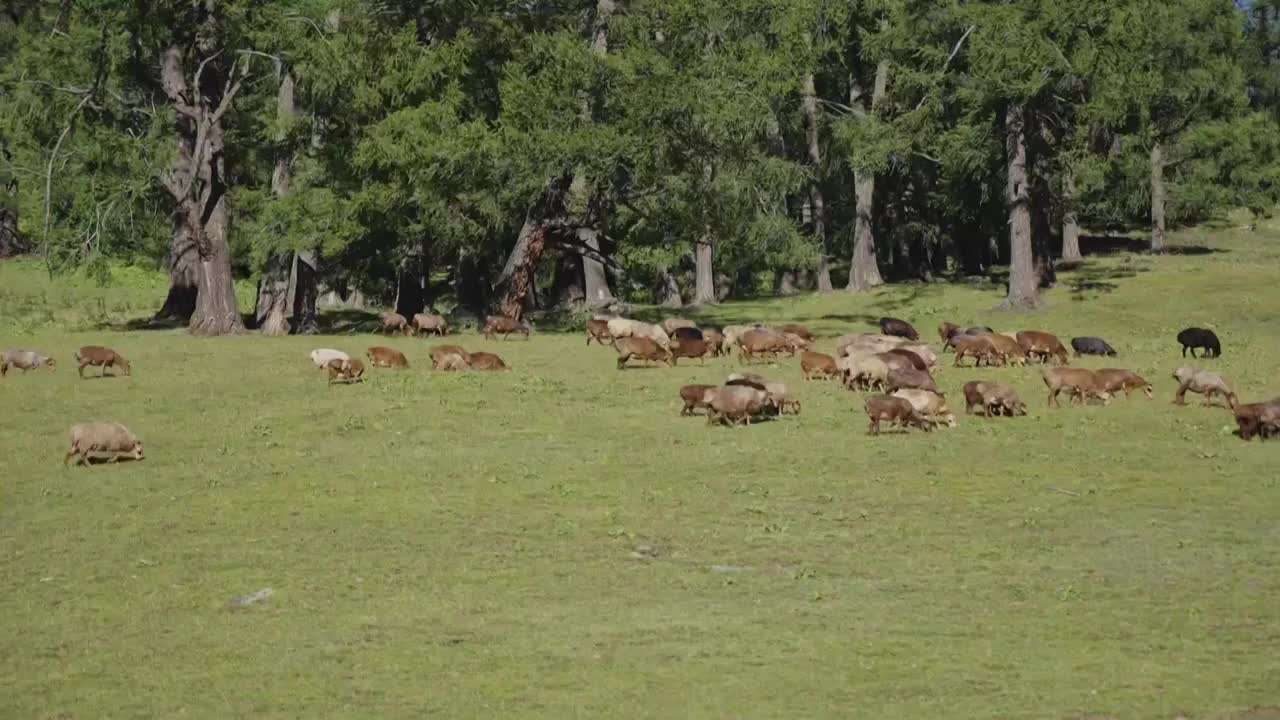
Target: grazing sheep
[
  {"x": 1080, "y": 383},
  {"x": 686, "y": 333},
  {"x": 346, "y": 371},
  {"x": 759, "y": 342},
  {"x": 781, "y": 398},
  {"x": 898, "y": 328},
  {"x": 1203, "y": 382},
  {"x": 694, "y": 397},
  {"x": 598, "y": 330},
  {"x": 453, "y": 362},
  {"x": 896, "y": 411},
  {"x": 440, "y": 353},
  {"x": 846, "y": 344},
  {"x": 98, "y": 356},
  {"x": 1007, "y": 349},
  {"x": 505, "y": 326},
  {"x": 733, "y": 332},
  {"x": 979, "y": 347},
  {"x": 1114, "y": 380},
  {"x": 913, "y": 358},
  {"x": 689, "y": 348},
  {"x": 715, "y": 341},
  {"x": 1260, "y": 418},
  {"x": 816, "y": 364},
  {"x": 973, "y": 396},
  {"x": 945, "y": 331},
  {"x": 623, "y": 328},
  {"x": 748, "y": 379},
  {"x": 430, "y": 323},
  {"x": 670, "y": 325},
  {"x": 799, "y": 330},
  {"x": 641, "y": 348},
  {"x": 865, "y": 372},
  {"x": 932, "y": 405},
  {"x": 486, "y": 361},
  {"x": 1092, "y": 346},
  {"x": 794, "y": 343},
  {"x": 896, "y": 362},
  {"x": 1002, "y": 399},
  {"x": 1042, "y": 346},
  {"x": 1194, "y": 337},
  {"x": 395, "y": 322},
  {"x": 732, "y": 404},
  {"x": 910, "y": 378},
  {"x": 24, "y": 360},
  {"x": 97, "y": 439},
  {"x": 322, "y": 356},
  {"x": 386, "y": 357}
]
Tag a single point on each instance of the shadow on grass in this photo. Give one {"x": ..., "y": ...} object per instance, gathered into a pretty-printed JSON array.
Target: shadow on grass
[
  {"x": 1106, "y": 245},
  {"x": 1088, "y": 279}
]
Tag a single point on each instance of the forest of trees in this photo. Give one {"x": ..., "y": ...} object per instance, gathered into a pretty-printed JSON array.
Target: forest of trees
[{"x": 537, "y": 154}]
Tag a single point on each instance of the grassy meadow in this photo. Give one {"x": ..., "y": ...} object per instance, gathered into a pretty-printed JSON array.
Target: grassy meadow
[{"x": 557, "y": 542}]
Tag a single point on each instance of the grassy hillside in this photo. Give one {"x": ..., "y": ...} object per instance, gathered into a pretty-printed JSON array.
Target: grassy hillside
[{"x": 556, "y": 542}]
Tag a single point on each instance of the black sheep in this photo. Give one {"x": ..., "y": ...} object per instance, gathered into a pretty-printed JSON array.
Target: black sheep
[
  {"x": 686, "y": 333},
  {"x": 1194, "y": 337},
  {"x": 898, "y": 328},
  {"x": 1092, "y": 346}
]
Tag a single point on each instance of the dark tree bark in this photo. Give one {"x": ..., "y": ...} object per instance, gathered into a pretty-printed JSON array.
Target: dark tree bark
[
  {"x": 470, "y": 284},
  {"x": 669, "y": 290},
  {"x": 304, "y": 291},
  {"x": 273, "y": 307},
  {"x": 1157, "y": 198},
  {"x": 809, "y": 103},
  {"x": 1023, "y": 279},
  {"x": 1042, "y": 226},
  {"x": 10, "y": 243},
  {"x": 785, "y": 282},
  {"x": 704, "y": 286},
  {"x": 524, "y": 273},
  {"x": 197, "y": 183},
  {"x": 1070, "y": 227},
  {"x": 566, "y": 288},
  {"x": 864, "y": 270}
]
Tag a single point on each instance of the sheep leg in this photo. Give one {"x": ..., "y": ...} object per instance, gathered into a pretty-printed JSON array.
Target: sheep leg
[{"x": 1180, "y": 397}]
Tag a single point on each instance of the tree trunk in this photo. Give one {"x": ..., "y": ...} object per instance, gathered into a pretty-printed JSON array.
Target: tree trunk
[
  {"x": 1157, "y": 198},
  {"x": 785, "y": 282},
  {"x": 669, "y": 290},
  {"x": 864, "y": 270},
  {"x": 304, "y": 292},
  {"x": 704, "y": 286},
  {"x": 566, "y": 288},
  {"x": 1070, "y": 227},
  {"x": 595, "y": 281},
  {"x": 1023, "y": 280},
  {"x": 1041, "y": 226},
  {"x": 180, "y": 303},
  {"x": 410, "y": 294},
  {"x": 523, "y": 266},
  {"x": 809, "y": 103},
  {"x": 273, "y": 308}
]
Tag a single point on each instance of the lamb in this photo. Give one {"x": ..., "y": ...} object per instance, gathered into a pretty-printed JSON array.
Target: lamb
[
  {"x": 98, "y": 356},
  {"x": 380, "y": 356},
  {"x": 641, "y": 348},
  {"x": 694, "y": 397},
  {"x": 395, "y": 322},
  {"x": 933, "y": 406},
  {"x": 346, "y": 371},
  {"x": 910, "y": 378},
  {"x": 1092, "y": 346},
  {"x": 429, "y": 323},
  {"x": 322, "y": 356},
  {"x": 1042, "y": 345},
  {"x": 453, "y": 362},
  {"x": 598, "y": 330},
  {"x": 670, "y": 325},
  {"x": 979, "y": 347},
  {"x": 816, "y": 364},
  {"x": 623, "y": 328},
  {"x": 898, "y": 328},
  {"x": 1202, "y": 382},
  {"x": 505, "y": 326},
  {"x": 1080, "y": 383},
  {"x": 689, "y": 349},
  {"x": 96, "y": 439},
  {"x": 1194, "y": 337},
  {"x": 1116, "y": 379},
  {"x": 24, "y": 360},
  {"x": 486, "y": 361},
  {"x": 896, "y": 411},
  {"x": 441, "y": 353},
  {"x": 734, "y": 404},
  {"x": 974, "y": 397},
  {"x": 715, "y": 341},
  {"x": 798, "y": 330}
]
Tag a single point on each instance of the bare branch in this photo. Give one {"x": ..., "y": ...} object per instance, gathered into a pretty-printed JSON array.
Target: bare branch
[
  {"x": 954, "y": 51},
  {"x": 199, "y": 72},
  {"x": 229, "y": 92},
  {"x": 48, "y": 175}
]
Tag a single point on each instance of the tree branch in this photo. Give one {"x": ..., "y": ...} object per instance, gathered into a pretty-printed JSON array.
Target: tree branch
[
  {"x": 48, "y": 175},
  {"x": 199, "y": 72},
  {"x": 954, "y": 51}
]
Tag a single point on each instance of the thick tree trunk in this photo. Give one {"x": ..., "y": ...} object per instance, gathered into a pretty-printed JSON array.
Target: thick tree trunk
[
  {"x": 1042, "y": 227},
  {"x": 566, "y": 287},
  {"x": 216, "y": 311},
  {"x": 809, "y": 103},
  {"x": 1157, "y": 198},
  {"x": 272, "y": 312},
  {"x": 304, "y": 293},
  {"x": 522, "y": 268},
  {"x": 785, "y": 282},
  {"x": 180, "y": 303},
  {"x": 410, "y": 293},
  {"x": 595, "y": 281},
  {"x": 669, "y": 290},
  {"x": 1023, "y": 280},
  {"x": 864, "y": 270},
  {"x": 1070, "y": 227},
  {"x": 704, "y": 286}
]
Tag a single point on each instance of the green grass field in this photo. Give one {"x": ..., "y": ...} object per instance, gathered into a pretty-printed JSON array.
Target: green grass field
[{"x": 557, "y": 542}]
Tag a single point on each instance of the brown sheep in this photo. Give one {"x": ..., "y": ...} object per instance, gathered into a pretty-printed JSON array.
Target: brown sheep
[
  {"x": 429, "y": 323},
  {"x": 759, "y": 342},
  {"x": 380, "y": 356},
  {"x": 504, "y": 326},
  {"x": 598, "y": 330},
  {"x": 931, "y": 405},
  {"x": 440, "y": 352},
  {"x": 1080, "y": 383},
  {"x": 689, "y": 349},
  {"x": 974, "y": 397},
  {"x": 694, "y": 397},
  {"x": 816, "y": 364},
  {"x": 910, "y": 378},
  {"x": 95, "y": 439},
  {"x": 395, "y": 322},
  {"x": 945, "y": 331},
  {"x": 1115, "y": 379},
  {"x": 1007, "y": 349},
  {"x": 1003, "y": 399},
  {"x": 1260, "y": 418},
  {"x": 781, "y": 398},
  {"x": 715, "y": 341},
  {"x": 978, "y": 347},
  {"x": 99, "y": 356},
  {"x": 732, "y": 404},
  {"x": 896, "y": 362},
  {"x": 896, "y": 411},
  {"x": 486, "y": 361},
  {"x": 346, "y": 371},
  {"x": 1042, "y": 346},
  {"x": 453, "y": 362},
  {"x": 1202, "y": 382},
  {"x": 915, "y": 359},
  {"x": 641, "y": 348},
  {"x": 798, "y": 330},
  {"x": 794, "y": 343}
]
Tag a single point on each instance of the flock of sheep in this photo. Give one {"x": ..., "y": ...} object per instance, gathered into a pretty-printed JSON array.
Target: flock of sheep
[{"x": 894, "y": 362}]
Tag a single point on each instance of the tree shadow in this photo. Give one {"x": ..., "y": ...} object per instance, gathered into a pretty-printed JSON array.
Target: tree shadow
[
  {"x": 1107, "y": 245},
  {"x": 1089, "y": 279},
  {"x": 347, "y": 321}
]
